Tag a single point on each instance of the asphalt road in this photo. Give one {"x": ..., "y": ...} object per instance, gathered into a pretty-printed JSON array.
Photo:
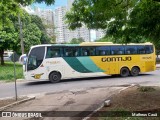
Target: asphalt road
[{"x": 38, "y": 87}]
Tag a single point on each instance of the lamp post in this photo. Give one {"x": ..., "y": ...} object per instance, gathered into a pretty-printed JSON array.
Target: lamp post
[{"x": 21, "y": 34}]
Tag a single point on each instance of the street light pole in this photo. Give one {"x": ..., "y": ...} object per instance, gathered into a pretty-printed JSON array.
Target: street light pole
[{"x": 21, "y": 34}]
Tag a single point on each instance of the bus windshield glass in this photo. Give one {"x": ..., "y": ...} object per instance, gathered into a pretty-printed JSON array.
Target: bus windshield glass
[{"x": 35, "y": 58}]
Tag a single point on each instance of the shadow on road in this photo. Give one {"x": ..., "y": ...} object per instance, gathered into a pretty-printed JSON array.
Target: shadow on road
[{"x": 83, "y": 79}]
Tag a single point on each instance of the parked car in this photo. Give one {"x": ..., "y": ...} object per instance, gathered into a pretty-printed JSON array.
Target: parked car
[
  {"x": 22, "y": 59},
  {"x": 7, "y": 55}
]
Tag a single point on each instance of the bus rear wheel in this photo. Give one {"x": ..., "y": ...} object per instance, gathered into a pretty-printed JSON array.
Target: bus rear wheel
[
  {"x": 124, "y": 72},
  {"x": 135, "y": 71},
  {"x": 55, "y": 77}
]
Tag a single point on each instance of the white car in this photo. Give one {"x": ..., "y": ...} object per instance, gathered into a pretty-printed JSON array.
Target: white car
[
  {"x": 7, "y": 55},
  {"x": 22, "y": 59}
]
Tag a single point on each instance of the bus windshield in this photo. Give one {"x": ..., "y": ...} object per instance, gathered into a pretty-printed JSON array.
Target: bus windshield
[{"x": 35, "y": 58}]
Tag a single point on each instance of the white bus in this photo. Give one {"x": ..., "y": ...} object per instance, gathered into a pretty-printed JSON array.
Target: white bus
[{"x": 63, "y": 61}]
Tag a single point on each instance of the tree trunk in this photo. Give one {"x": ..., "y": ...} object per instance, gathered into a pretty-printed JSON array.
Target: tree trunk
[{"x": 1, "y": 56}]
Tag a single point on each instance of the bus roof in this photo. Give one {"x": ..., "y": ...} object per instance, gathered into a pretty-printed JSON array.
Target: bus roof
[{"x": 92, "y": 44}]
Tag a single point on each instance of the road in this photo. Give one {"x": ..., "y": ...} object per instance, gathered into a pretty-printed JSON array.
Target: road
[{"x": 38, "y": 87}]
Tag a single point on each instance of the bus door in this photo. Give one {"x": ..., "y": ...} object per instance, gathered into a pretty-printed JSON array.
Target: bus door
[{"x": 35, "y": 67}]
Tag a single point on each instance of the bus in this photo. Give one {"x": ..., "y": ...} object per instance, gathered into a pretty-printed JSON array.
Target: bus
[{"x": 57, "y": 62}]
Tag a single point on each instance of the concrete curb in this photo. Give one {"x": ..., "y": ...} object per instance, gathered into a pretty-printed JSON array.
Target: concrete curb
[
  {"x": 5, "y": 81},
  {"x": 16, "y": 103},
  {"x": 102, "y": 104}
]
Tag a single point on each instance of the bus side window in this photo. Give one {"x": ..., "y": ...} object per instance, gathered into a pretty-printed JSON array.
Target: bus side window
[
  {"x": 71, "y": 52},
  {"x": 112, "y": 52},
  {"x": 88, "y": 51},
  {"x": 53, "y": 52},
  {"x": 102, "y": 50},
  {"x": 117, "y": 50},
  {"x": 76, "y": 53},
  {"x": 102, "y": 53},
  {"x": 66, "y": 54},
  {"x": 130, "y": 50},
  {"x": 148, "y": 49},
  {"x": 141, "y": 49},
  {"x": 120, "y": 52},
  {"x": 85, "y": 53}
]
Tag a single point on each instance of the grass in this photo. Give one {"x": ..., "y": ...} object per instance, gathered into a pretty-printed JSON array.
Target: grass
[
  {"x": 146, "y": 89},
  {"x": 7, "y": 71}
]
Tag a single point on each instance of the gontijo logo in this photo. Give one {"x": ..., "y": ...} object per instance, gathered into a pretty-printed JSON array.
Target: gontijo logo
[{"x": 112, "y": 59}]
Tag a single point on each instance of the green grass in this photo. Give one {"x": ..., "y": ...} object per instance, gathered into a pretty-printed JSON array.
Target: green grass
[
  {"x": 7, "y": 71},
  {"x": 146, "y": 89}
]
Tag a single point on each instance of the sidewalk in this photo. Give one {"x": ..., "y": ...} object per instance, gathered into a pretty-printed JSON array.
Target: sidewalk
[{"x": 74, "y": 100}]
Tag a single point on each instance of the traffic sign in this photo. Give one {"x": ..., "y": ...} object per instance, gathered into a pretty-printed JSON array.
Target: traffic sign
[{"x": 14, "y": 57}]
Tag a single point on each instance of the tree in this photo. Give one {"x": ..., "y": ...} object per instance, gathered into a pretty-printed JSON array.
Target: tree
[
  {"x": 7, "y": 39},
  {"x": 31, "y": 32},
  {"x": 53, "y": 39},
  {"x": 32, "y": 35},
  {"x": 29, "y": 2},
  {"x": 105, "y": 39},
  {"x": 8, "y": 10},
  {"x": 96, "y": 14},
  {"x": 25, "y": 3},
  {"x": 105, "y": 14},
  {"x": 125, "y": 20},
  {"x": 145, "y": 18},
  {"x": 44, "y": 37},
  {"x": 77, "y": 41}
]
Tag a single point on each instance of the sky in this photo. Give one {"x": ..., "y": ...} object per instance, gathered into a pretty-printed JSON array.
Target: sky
[{"x": 56, "y": 4}]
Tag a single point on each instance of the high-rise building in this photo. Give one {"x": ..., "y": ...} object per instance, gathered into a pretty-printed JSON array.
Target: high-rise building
[
  {"x": 47, "y": 17},
  {"x": 100, "y": 34},
  {"x": 63, "y": 34},
  {"x": 60, "y": 26}
]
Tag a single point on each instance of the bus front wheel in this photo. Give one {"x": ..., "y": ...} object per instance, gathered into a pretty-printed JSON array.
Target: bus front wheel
[
  {"x": 55, "y": 77},
  {"x": 124, "y": 72},
  {"x": 135, "y": 71}
]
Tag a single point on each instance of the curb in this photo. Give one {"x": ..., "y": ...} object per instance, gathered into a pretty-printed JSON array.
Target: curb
[
  {"x": 17, "y": 103},
  {"x": 5, "y": 81},
  {"x": 102, "y": 104}
]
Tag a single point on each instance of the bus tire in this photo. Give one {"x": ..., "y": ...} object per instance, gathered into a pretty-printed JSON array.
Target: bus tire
[
  {"x": 124, "y": 72},
  {"x": 54, "y": 77},
  {"x": 135, "y": 71}
]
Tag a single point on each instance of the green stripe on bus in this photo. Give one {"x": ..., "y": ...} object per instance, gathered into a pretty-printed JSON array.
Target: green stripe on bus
[
  {"x": 76, "y": 64},
  {"x": 89, "y": 64}
]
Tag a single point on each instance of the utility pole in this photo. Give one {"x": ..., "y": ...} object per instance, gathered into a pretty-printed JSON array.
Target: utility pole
[{"x": 21, "y": 34}]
